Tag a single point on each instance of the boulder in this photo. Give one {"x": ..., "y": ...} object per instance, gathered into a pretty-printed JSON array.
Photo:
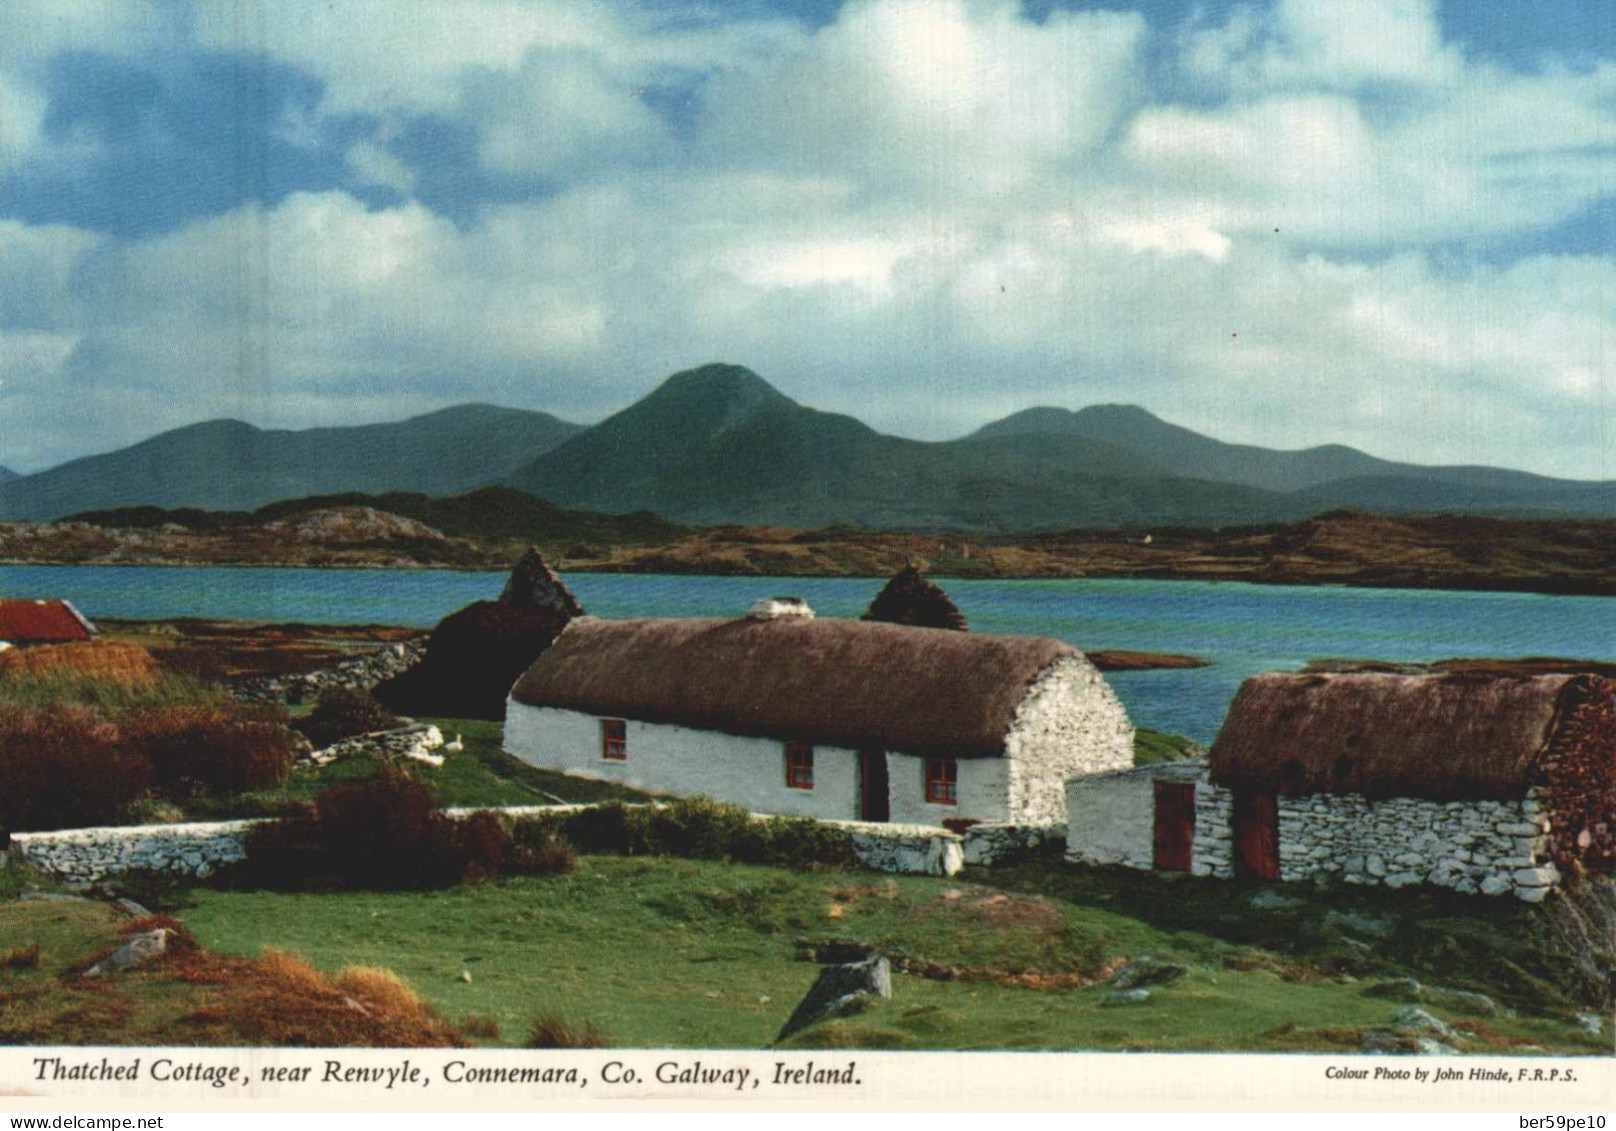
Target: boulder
[
  {"x": 1146, "y": 971},
  {"x": 1398, "y": 989},
  {"x": 1413, "y": 1019},
  {"x": 138, "y": 951},
  {"x": 1125, "y": 997},
  {"x": 840, "y": 990}
]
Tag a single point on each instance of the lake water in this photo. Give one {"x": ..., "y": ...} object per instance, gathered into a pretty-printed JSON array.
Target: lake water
[{"x": 1242, "y": 629}]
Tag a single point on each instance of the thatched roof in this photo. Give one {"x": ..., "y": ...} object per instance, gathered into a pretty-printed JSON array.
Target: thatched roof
[
  {"x": 1443, "y": 737},
  {"x": 847, "y": 683}
]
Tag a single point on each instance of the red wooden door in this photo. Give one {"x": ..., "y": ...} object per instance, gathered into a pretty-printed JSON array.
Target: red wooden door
[
  {"x": 1175, "y": 825},
  {"x": 1256, "y": 835}
]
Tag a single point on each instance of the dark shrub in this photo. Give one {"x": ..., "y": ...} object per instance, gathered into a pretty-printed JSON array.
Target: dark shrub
[
  {"x": 485, "y": 845},
  {"x": 382, "y": 833},
  {"x": 553, "y": 1032},
  {"x": 343, "y": 712},
  {"x": 66, "y": 766},
  {"x": 797, "y": 842},
  {"x": 386, "y": 833},
  {"x": 213, "y": 748},
  {"x": 606, "y": 828},
  {"x": 698, "y": 828},
  {"x": 541, "y": 851}
]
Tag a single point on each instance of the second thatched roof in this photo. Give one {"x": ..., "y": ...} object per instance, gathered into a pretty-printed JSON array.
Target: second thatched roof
[
  {"x": 1441, "y": 737},
  {"x": 854, "y": 684}
]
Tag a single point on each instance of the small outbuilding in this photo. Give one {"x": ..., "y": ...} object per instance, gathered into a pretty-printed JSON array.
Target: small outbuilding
[
  {"x": 1490, "y": 784},
  {"x": 24, "y": 623},
  {"x": 837, "y": 719}
]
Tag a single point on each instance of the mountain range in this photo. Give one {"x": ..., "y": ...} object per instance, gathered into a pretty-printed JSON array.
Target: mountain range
[
  {"x": 228, "y": 465},
  {"x": 720, "y": 445}
]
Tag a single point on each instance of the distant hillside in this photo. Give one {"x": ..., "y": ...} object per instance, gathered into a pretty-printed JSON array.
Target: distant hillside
[
  {"x": 719, "y": 444},
  {"x": 6, "y": 473},
  {"x": 1331, "y": 475},
  {"x": 229, "y": 465},
  {"x": 492, "y": 513}
]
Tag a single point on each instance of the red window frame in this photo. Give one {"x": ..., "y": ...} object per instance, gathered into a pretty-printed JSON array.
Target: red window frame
[
  {"x": 942, "y": 781},
  {"x": 614, "y": 740},
  {"x": 799, "y": 765}
]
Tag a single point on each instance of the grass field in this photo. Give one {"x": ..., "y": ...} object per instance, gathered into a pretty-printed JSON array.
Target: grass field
[{"x": 666, "y": 952}]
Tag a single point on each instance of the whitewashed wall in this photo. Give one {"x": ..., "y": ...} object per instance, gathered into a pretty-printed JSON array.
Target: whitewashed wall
[
  {"x": 682, "y": 762},
  {"x": 1070, "y": 723},
  {"x": 1111, "y": 818},
  {"x": 980, "y": 789}
]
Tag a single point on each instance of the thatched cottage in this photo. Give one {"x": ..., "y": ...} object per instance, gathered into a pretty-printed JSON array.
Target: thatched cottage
[
  {"x": 837, "y": 719},
  {"x": 24, "y": 623},
  {"x": 1480, "y": 784}
]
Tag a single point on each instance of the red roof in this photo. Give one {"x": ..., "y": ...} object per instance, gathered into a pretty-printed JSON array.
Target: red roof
[{"x": 42, "y": 622}]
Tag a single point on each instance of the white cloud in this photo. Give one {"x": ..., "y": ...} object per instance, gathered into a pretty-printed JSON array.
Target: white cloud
[
  {"x": 924, "y": 213},
  {"x": 943, "y": 97},
  {"x": 1323, "y": 45}
]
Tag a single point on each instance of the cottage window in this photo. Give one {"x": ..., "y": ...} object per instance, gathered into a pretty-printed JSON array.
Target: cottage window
[
  {"x": 799, "y": 765},
  {"x": 942, "y": 781},
  {"x": 614, "y": 740}
]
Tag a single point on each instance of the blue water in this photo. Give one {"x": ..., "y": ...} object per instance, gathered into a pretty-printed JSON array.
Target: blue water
[{"x": 1242, "y": 629}]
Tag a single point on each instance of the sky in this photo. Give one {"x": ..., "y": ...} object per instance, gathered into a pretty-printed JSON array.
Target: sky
[{"x": 1386, "y": 223}]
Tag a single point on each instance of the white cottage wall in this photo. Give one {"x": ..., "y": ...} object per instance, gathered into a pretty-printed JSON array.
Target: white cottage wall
[
  {"x": 1069, "y": 723},
  {"x": 684, "y": 762},
  {"x": 979, "y": 790}
]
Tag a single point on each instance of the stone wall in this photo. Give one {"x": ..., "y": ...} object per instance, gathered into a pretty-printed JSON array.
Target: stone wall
[
  {"x": 362, "y": 673},
  {"x": 419, "y": 742},
  {"x": 90, "y": 855},
  {"x": 1473, "y": 847},
  {"x": 199, "y": 849},
  {"x": 988, "y": 844},
  {"x": 1490, "y": 847}
]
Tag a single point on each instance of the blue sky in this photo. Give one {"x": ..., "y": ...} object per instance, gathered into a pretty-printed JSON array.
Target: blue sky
[{"x": 1388, "y": 223}]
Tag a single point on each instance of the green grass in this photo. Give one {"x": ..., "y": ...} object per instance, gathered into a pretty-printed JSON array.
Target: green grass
[
  {"x": 1155, "y": 746},
  {"x": 666, "y": 952},
  {"x": 480, "y": 775}
]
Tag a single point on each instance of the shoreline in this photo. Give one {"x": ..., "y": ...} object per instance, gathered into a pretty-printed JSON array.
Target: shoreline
[{"x": 1545, "y": 587}]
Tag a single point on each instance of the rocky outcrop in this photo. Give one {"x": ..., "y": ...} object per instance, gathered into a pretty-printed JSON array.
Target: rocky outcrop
[
  {"x": 474, "y": 655},
  {"x": 910, "y": 599},
  {"x": 534, "y": 587},
  {"x": 838, "y": 991}
]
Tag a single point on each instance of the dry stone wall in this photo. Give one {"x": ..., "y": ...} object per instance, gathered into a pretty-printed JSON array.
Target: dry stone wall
[
  {"x": 362, "y": 673},
  {"x": 199, "y": 849},
  {"x": 1485, "y": 847},
  {"x": 91, "y": 855},
  {"x": 1473, "y": 847}
]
